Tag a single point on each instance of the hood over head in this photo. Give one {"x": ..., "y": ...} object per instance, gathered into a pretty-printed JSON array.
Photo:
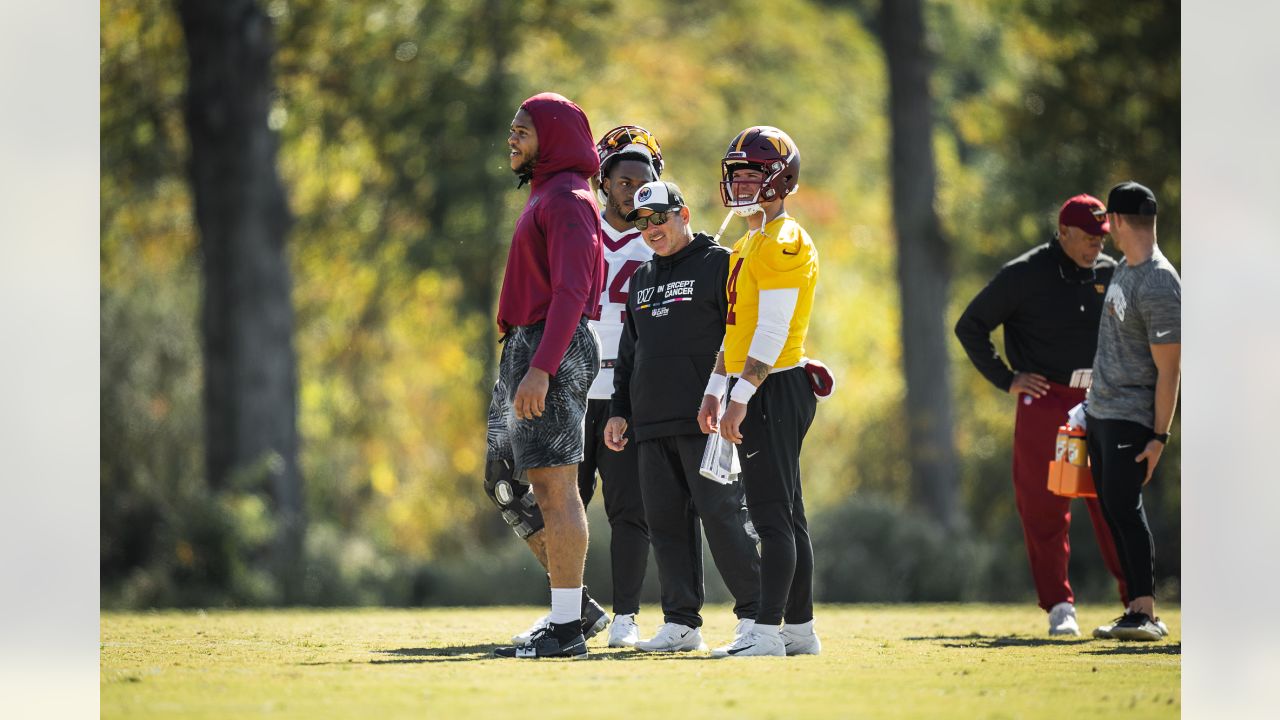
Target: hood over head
[{"x": 564, "y": 136}]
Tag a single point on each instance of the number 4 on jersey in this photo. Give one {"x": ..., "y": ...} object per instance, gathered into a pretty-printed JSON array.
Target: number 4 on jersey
[
  {"x": 730, "y": 317},
  {"x": 618, "y": 285}
]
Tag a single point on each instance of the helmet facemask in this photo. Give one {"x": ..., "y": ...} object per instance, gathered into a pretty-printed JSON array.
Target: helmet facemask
[{"x": 742, "y": 206}]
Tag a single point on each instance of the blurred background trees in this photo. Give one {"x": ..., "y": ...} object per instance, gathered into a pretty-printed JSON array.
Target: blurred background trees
[{"x": 390, "y": 118}]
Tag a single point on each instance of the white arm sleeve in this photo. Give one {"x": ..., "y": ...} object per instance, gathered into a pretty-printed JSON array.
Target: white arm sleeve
[{"x": 774, "y": 323}]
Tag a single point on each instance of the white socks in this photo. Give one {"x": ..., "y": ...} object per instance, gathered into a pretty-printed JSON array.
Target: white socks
[
  {"x": 800, "y": 628},
  {"x": 566, "y": 605},
  {"x": 769, "y": 630}
]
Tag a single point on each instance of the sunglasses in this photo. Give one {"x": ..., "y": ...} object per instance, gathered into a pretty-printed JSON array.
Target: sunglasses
[{"x": 658, "y": 218}]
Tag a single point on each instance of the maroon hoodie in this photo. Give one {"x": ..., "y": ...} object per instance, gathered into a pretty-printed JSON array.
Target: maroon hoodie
[{"x": 555, "y": 268}]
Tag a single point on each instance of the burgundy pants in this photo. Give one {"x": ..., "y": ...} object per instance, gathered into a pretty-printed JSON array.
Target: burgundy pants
[{"x": 1046, "y": 518}]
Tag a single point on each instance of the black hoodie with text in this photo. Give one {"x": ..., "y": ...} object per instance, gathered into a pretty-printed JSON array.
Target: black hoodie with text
[{"x": 674, "y": 326}]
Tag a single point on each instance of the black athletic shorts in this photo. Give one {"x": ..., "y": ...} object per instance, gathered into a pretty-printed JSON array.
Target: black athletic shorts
[{"x": 555, "y": 438}]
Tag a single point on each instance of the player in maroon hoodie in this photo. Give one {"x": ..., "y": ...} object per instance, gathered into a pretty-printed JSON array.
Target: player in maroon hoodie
[{"x": 550, "y": 355}]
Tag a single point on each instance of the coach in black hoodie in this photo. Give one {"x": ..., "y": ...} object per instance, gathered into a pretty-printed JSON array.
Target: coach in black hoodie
[{"x": 675, "y": 323}]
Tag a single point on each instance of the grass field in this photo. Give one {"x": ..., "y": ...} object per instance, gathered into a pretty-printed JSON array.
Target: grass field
[{"x": 901, "y": 661}]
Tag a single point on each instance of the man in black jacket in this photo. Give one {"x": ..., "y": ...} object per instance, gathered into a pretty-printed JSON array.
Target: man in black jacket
[
  {"x": 1049, "y": 301},
  {"x": 675, "y": 322}
]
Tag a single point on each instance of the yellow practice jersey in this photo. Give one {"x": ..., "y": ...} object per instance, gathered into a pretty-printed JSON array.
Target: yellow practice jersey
[{"x": 782, "y": 256}]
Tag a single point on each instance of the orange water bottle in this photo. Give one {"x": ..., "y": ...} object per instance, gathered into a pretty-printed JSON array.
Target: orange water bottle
[{"x": 1069, "y": 473}]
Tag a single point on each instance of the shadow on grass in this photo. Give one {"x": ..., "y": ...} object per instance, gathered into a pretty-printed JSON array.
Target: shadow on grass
[
  {"x": 474, "y": 653},
  {"x": 989, "y": 642},
  {"x": 1139, "y": 649},
  {"x": 451, "y": 653}
]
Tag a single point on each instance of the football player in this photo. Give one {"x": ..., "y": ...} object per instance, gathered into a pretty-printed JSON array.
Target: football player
[
  {"x": 773, "y": 272},
  {"x": 629, "y": 156}
]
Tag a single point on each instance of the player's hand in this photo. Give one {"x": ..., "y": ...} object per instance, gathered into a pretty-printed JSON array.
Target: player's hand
[
  {"x": 531, "y": 396},
  {"x": 1030, "y": 383},
  {"x": 614, "y": 434},
  {"x": 709, "y": 414},
  {"x": 1151, "y": 454},
  {"x": 730, "y": 424}
]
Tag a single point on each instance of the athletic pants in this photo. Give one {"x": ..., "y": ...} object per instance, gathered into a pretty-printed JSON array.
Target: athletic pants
[
  {"x": 675, "y": 498},
  {"x": 1113, "y": 447},
  {"x": 623, "y": 504},
  {"x": 1046, "y": 518},
  {"x": 777, "y": 418}
]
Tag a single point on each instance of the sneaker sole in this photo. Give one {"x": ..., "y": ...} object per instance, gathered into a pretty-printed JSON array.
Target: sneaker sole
[
  {"x": 702, "y": 647},
  {"x": 594, "y": 630},
  {"x": 582, "y": 656},
  {"x": 1136, "y": 634}
]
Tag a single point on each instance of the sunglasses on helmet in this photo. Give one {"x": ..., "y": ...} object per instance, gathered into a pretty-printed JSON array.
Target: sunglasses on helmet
[{"x": 658, "y": 218}]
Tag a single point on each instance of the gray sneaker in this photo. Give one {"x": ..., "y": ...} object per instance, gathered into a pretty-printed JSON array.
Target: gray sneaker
[
  {"x": 1137, "y": 626},
  {"x": 1107, "y": 632}
]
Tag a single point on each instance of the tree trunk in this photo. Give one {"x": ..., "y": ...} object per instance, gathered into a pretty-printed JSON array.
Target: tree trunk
[
  {"x": 246, "y": 315},
  {"x": 497, "y": 109},
  {"x": 923, "y": 264}
]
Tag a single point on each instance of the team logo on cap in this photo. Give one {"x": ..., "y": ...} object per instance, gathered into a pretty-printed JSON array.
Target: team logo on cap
[{"x": 645, "y": 194}]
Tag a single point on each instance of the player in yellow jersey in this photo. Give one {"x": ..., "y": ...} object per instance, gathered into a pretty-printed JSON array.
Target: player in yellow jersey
[{"x": 773, "y": 272}]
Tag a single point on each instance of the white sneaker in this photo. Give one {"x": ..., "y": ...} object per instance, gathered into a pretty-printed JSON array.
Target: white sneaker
[
  {"x": 801, "y": 639},
  {"x": 1062, "y": 620},
  {"x": 744, "y": 628},
  {"x": 526, "y": 637},
  {"x": 1107, "y": 632},
  {"x": 760, "y": 641},
  {"x": 624, "y": 632},
  {"x": 672, "y": 637}
]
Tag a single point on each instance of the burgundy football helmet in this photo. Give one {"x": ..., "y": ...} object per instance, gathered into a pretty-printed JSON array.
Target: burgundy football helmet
[
  {"x": 628, "y": 139},
  {"x": 769, "y": 150}
]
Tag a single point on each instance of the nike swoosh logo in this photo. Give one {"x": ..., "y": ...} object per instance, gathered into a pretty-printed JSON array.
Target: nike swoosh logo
[
  {"x": 1127, "y": 445},
  {"x": 685, "y": 634},
  {"x": 753, "y": 454},
  {"x": 742, "y": 649},
  {"x": 1162, "y": 334}
]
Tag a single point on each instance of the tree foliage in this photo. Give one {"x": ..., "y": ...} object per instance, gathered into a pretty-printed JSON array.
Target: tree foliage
[{"x": 392, "y": 121}]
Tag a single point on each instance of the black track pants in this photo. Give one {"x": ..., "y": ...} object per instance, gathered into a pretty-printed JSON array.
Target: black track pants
[
  {"x": 778, "y": 417},
  {"x": 623, "y": 504},
  {"x": 676, "y": 498},
  {"x": 1113, "y": 445}
]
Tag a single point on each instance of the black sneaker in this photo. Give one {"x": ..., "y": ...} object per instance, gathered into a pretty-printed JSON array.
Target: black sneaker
[
  {"x": 1136, "y": 626},
  {"x": 1104, "y": 632},
  {"x": 594, "y": 618},
  {"x": 545, "y": 644}
]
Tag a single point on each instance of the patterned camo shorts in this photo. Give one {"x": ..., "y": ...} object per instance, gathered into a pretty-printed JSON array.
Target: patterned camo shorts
[{"x": 556, "y": 438}]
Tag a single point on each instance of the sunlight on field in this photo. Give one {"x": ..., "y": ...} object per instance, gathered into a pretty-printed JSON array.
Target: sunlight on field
[{"x": 905, "y": 661}]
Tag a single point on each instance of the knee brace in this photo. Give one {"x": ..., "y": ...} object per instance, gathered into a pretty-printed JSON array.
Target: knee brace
[{"x": 514, "y": 499}]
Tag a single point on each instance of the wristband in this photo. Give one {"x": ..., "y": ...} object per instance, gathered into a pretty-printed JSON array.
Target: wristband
[
  {"x": 716, "y": 385},
  {"x": 742, "y": 391},
  {"x": 1162, "y": 437}
]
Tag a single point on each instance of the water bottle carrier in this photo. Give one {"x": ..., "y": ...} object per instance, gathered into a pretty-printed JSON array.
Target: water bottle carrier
[{"x": 1069, "y": 474}]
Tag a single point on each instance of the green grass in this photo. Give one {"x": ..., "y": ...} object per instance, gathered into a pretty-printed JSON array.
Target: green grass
[{"x": 901, "y": 661}]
